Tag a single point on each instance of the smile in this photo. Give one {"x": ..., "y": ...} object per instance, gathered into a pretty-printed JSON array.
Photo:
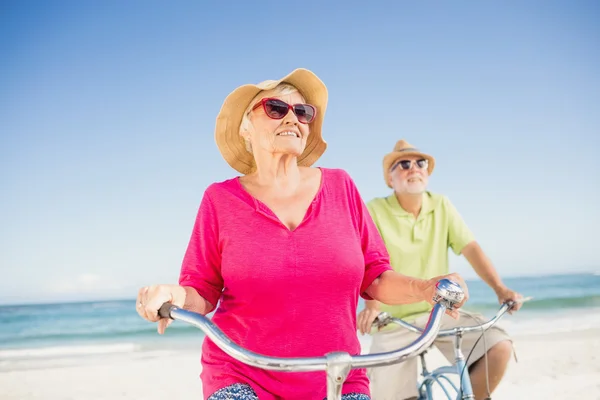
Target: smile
[{"x": 288, "y": 133}]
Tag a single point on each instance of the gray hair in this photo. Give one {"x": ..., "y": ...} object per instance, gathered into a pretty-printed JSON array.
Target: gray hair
[{"x": 246, "y": 125}]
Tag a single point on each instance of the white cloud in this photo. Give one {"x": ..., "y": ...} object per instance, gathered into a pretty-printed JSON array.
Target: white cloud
[{"x": 85, "y": 284}]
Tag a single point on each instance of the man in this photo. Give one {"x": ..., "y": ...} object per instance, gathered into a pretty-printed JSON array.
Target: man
[{"x": 418, "y": 228}]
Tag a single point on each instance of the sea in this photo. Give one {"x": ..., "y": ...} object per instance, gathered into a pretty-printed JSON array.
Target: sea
[{"x": 560, "y": 303}]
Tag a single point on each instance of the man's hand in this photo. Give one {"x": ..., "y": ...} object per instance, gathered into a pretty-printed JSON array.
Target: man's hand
[
  {"x": 367, "y": 316},
  {"x": 505, "y": 294}
]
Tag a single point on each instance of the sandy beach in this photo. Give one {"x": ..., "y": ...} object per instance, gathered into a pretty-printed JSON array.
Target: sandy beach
[{"x": 551, "y": 366}]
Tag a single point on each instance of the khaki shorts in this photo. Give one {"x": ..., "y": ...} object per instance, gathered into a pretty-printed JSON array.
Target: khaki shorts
[{"x": 399, "y": 381}]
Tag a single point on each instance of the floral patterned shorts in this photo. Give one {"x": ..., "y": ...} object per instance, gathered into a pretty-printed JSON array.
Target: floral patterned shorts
[{"x": 241, "y": 391}]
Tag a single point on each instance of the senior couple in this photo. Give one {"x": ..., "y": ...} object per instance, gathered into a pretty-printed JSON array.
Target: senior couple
[{"x": 285, "y": 250}]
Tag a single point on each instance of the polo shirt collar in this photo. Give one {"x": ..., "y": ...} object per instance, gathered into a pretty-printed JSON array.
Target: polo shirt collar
[{"x": 430, "y": 203}]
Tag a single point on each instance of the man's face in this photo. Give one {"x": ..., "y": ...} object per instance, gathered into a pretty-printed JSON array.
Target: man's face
[{"x": 409, "y": 175}]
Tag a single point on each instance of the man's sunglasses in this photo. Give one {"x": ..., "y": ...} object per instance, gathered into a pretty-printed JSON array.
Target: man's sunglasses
[
  {"x": 277, "y": 109},
  {"x": 407, "y": 164}
]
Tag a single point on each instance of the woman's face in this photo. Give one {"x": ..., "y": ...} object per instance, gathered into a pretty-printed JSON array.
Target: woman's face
[{"x": 284, "y": 136}]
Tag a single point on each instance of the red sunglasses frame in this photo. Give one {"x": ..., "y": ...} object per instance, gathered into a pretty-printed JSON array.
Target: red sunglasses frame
[{"x": 264, "y": 101}]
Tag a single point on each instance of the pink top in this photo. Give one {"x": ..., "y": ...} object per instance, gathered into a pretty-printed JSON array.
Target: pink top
[{"x": 283, "y": 293}]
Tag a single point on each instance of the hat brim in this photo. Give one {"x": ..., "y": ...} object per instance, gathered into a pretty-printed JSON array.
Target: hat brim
[
  {"x": 390, "y": 158},
  {"x": 227, "y": 130}
]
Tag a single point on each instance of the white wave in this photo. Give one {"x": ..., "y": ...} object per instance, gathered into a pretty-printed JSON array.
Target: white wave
[
  {"x": 548, "y": 323},
  {"x": 65, "y": 351}
]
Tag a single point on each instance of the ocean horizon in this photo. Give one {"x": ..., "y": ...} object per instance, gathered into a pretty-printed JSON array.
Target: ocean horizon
[{"x": 560, "y": 303}]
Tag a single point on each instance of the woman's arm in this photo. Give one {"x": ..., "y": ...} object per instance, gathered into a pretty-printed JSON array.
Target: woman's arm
[
  {"x": 394, "y": 289},
  {"x": 196, "y": 303}
]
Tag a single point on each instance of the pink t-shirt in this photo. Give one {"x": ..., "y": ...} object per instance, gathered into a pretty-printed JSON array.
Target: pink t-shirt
[{"x": 283, "y": 293}]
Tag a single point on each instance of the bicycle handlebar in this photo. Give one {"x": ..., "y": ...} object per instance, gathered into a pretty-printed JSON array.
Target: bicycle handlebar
[
  {"x": 301, "y": 363},
  {"x": 337, "y": 364},
  {"x": 383, "y": 319}
]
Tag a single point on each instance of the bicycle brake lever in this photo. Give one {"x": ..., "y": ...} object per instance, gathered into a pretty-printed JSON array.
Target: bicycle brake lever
[{"x": 523, "y": 300}]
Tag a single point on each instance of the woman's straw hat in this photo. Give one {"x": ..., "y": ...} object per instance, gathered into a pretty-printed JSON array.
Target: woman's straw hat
[{"x": 227, "y": 130}]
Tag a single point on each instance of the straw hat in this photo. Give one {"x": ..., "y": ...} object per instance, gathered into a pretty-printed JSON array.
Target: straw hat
[
  {"x": 403, "y": 149},
  {"x": 227, "y": 130}
]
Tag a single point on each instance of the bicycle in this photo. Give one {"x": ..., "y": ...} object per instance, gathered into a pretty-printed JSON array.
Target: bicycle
[
  {"x": 337, "y": 364},
  {"x": 429, "y": 378}
]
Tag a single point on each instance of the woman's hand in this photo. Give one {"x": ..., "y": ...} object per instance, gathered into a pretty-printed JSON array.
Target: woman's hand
[
  {"x": 430, "y": 291},
  {"x": 151, "y": 298}
]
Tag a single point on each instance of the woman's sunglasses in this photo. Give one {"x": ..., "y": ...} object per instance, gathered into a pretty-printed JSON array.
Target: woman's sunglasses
[
  {"x": 407, "y": 164},
  {"x": 277, "y": 109}
]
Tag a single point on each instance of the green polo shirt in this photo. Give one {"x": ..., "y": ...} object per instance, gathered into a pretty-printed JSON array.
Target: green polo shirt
[{"x": 418, "y": 247}]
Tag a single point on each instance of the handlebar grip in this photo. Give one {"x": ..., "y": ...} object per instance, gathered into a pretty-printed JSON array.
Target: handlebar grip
[{"x": 165, "y": 310}]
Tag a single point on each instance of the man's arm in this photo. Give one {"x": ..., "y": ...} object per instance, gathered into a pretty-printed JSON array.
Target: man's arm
[
  {"x": 462, "y": 241},
  {"x": 485, "y": 269},
  {"x": 482, "y": 265}
]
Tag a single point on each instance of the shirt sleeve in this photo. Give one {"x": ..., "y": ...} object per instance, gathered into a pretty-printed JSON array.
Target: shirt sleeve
[
  {"x": 201, "y": 267},
  {"x": 459, "y": 234},
  {"x": 373, "y": 214},
  {"x": 377, "y": 259}
]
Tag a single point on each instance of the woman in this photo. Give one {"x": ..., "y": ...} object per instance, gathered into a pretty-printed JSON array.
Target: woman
[{"x": 280, "y": 244}]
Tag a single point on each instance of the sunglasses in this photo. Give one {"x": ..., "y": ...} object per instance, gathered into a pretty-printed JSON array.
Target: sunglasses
[
  {"x": 407, "y": 164},
  {"x": 277, "y": 109}
]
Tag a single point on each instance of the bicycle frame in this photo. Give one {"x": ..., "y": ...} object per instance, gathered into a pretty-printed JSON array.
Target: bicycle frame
[
  {"x": 464, "y": 391},
  {"x": 336, "y": 364},
  {"x": 425, "y": 387}
]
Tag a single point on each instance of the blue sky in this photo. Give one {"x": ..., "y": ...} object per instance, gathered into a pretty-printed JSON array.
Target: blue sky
[{"x": 107, "y": 113}]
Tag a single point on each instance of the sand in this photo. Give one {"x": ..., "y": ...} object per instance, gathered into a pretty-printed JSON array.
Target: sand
[{"x": 550, "y": 366}]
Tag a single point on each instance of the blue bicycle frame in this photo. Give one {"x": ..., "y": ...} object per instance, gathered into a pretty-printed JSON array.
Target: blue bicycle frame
[
  {"x": 435, "y": 377},
  {"x": 465, "y": 391}
]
